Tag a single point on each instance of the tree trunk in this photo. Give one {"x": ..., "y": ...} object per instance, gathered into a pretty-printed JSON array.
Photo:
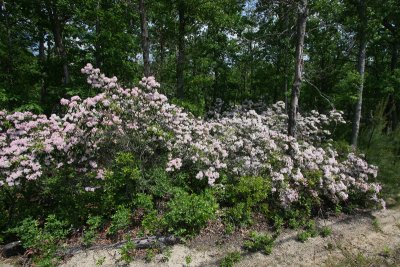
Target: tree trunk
[
  {"x": 97, "y": 45},
  {"x": 392, "y": 105},
  {"x": 59, "y": 43},
  {"x": 180, "y": 64},
  {"x": 49, "y": 48},
  {"x": 10, "y": 56},
  {"x": 42, "y": 62},
  {"x": 394, "y": 102},
  {"x": 144, "y": 38},
  {"x": 394, "y": 56},
  {"x": 61, "y": 51},
  {"x": 301, "y": 30},
  {"x": 42, "y": 57},
  {"x": 286, "y": 59},
  {"x": 362, "y": 36},
  {"x": 162, "y": 56}
]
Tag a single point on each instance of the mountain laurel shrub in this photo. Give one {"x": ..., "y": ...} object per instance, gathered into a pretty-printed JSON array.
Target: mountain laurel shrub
[
  {"x": 188, "y": 213},
  {"x": 43, "y": 240},
  {"x": 244, "y": 196},
  {"x": 120, "y": 220},
  {"x": 259, "y": 242},
  {"x": 130, "y": 149}
]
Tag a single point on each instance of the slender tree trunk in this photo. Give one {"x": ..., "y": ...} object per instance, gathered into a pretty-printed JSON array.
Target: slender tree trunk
[
  {"x": 61, "y": 51},
  {"x": 97, "y": 46},
  {"x": 9, "y": 66},
  {"x": 250, "y": 81},
  {"x": 392, "y": 105},
  {"x": 162, "y": 56},
  {"x": 42, "y": 56},
  {"x": 42, "y": 61},
  {"x": 394, "y": 56},
  {"x": 180, "y": 64},
  {"x": 394, "y": 102},
  {"x": 59, "y": 43},
  {"x": 286, "y": 61},
  {"x": 215, "y": 85},
  {"x": 362, "y": 36},
  {"x": 144, "y": 38},
  {"x": 49, "y": 48},
  {"x": 301, "y": 31}
]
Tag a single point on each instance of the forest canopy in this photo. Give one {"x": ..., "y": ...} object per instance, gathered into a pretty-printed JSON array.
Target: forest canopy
[{"x": 201, "y": 50}]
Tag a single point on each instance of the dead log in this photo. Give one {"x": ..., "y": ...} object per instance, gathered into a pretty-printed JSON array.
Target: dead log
[{"x": 12, "y": 249}]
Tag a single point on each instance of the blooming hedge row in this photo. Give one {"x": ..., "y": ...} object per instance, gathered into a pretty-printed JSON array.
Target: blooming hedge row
[{"x": 238, "y": 143}]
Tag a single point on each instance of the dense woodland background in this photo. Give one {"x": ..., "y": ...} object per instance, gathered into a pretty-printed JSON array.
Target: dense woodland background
[{"x": 201, "y": 50}]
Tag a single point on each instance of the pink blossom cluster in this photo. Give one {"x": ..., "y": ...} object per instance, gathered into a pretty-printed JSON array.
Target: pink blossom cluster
[
  {"x": 241, "y": 142},
  {"x": 26, "y": 142},
  {"x": 257, "y": 144}
]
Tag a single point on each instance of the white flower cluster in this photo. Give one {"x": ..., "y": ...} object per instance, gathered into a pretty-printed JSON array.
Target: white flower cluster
[{"x": 240, "y": 142}]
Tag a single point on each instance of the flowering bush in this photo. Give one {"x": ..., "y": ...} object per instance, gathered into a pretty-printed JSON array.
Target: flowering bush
[{"x": 139, "y": 120}]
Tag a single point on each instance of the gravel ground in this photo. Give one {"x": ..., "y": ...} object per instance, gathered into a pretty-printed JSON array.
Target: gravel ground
[{"x": 373, "y": 235}]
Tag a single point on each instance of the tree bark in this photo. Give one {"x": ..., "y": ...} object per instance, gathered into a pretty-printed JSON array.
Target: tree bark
[
  {"x": 61, "y": 51},
  {"x": 10, "y": 56},
  {"x": 393, "y": 65},
  {"x": 162, "y": 56},
  {"x": 362, "y": 36},
  {"x": 42, "y": 62},
  {"x": 286, "y": 51},
  {"x": 180, "y": 64},
  {"x": 59, "y": 43},
  {"x": 392, "y": 105},
  {"x": 97, "y": 44},
  {"x": 301, "y": 31},
  {"x": 144, "y": 38},
  {"x": 394, "y": 56}
]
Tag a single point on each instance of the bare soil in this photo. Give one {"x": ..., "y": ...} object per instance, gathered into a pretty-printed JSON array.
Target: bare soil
[{"x": 365, "y": 239}]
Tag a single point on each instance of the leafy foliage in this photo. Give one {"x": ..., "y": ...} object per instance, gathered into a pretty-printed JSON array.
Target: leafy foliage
[
  {"x": 259, "y": 242},
  {"x": 120, "y": 220},
  {"x": 44, "y": 240},
  {"x": 93, "y": 224},
  {"x": 325, "y": 231},
  {"x": 246, "y": 195},
  {"x": 127, "y": 251},
  {"x": 188, "y": 213},
  {"x": 230, "y": 259}
]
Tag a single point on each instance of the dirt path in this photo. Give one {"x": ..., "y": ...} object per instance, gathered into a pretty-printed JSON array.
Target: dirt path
[
  {"x": 374, "y": 235},
  {"x": 351, "y": 237}
]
